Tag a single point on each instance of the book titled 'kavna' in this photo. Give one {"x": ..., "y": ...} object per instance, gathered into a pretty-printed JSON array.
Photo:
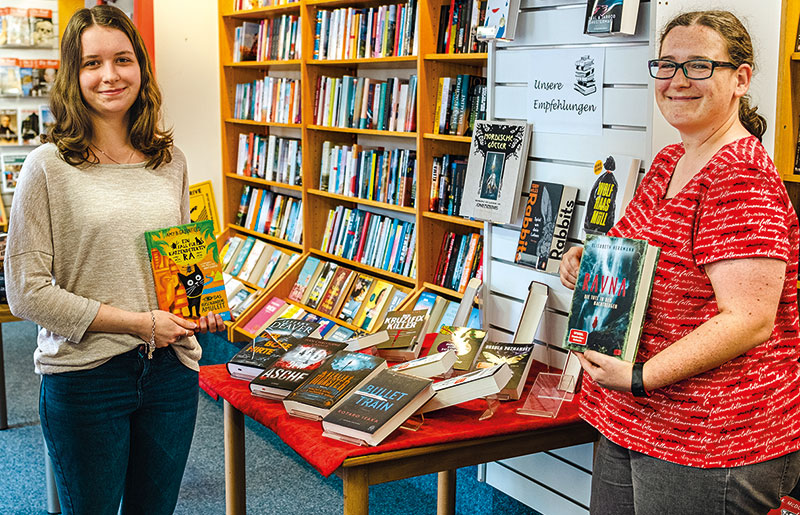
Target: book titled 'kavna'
[
  {"x": 186, "y": 270},
  {"x": 611, "y": 295},
  {"x": 545, "y": 226},
  {"x": 496, "y": 167}
]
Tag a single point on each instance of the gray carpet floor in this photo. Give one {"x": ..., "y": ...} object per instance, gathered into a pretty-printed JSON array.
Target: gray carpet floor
[{"x": 278, "y": 480}]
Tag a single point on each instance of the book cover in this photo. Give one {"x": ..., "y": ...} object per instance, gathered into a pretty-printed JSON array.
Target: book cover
[
  {"x": 340, "y": 334},
  {"x": 332, "y": 382},
  {"x": 186, "y": 270},
  {"x": 374, "y": 307},
  {"x": 611, "y": 296},
  {"x": 501, "y": 20},
  {"x": 11, "y": 165},
  {"x": 334, "y": 296},
  {"x": 318, "y": 289},
  {"x": 378, "y": 407},
  {"x": 516, "y": 355},
  {"x": 43, "y": 33},
  {"x": 355, "y": 297},
  {"x": 253, "y": 358},
  {"x": 607, "y": 17},
  {"x": 545, "y": 225},
  {"x": 263, "y": 317},
  {"x": 291, "y": 327},
  {"x": 465, "y": 342},
  {"x": 611, "y": 192},
  {"x": 9, "y": 127},
  {"x": 293, "y": 367},
  {"x": 495, "y": 169},
  {"x": 404, "y": 328}
]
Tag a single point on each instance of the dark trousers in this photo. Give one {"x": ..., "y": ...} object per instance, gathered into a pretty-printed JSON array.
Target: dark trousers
[
  {"x": 628, "y": 482},
  {"x": 120, "y": 432}
]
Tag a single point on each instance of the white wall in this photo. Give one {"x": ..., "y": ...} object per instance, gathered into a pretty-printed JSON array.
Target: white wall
[{"x": 187, "y": 69}]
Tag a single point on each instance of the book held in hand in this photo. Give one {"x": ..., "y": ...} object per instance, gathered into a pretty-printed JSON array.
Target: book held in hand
[
  {"x": 331, "y": 384},
  {"x": 545, "y": 226},
  {"x": 476, "y": 384},
  {"x": 377, "y": 408},
  {"x": 611, "y": 295},
  {"x": 186, "y": 270},
  {"x": 495, "y": 169}
]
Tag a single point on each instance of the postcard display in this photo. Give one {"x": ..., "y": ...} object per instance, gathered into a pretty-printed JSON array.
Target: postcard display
[
  {"x": 28, "y": 53},
  {"x": 580, "y": 116}
]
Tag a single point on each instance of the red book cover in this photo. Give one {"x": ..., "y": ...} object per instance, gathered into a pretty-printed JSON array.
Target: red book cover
[
  {"x": 363, "y": 239},
  {"x": 264, "y": 314}
]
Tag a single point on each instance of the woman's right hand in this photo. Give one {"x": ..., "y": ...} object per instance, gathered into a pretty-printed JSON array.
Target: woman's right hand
[
  {"x": 568, "y": 269},
  {"x": 169, "y": 328}
]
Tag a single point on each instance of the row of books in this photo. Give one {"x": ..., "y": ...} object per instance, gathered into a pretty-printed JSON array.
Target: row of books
[
  {"x": 254, "y": 261},
  {"x": 460, "y": 102},
  {"x": 271, "y": 39},
  {"x": 272, "y": 158},
  {"x": 447, "y": 184},
  {"x": 460, "y": 259},
  {"x": 458, "y": 24},
  {"x": 271, "y": 99},
  {"x": 371, "y": 239},
  {"x": 239, "y": 295},
  {"x": 23, "y": 126},
  {"x": 271, "y": 213},
  {"x": 372, "y": 32},
  {"x": 244, "y": 5},
  {"x": 379, "y": 174},
  {"x": 27, "y": 77},
  {"x": 10, "y": 166},
  {"x": 27, "y": 28},
  {"x": 366, "y": 103}
]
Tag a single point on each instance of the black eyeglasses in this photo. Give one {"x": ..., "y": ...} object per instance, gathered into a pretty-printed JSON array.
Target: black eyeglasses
[{"x": 697, "y": 69}]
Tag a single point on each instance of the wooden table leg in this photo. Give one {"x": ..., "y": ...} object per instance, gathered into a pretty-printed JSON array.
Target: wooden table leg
[
  {"x": 356, "y": 491},
  {"x": 235, "y": 500},
  {"x": 446, "y": 493}
]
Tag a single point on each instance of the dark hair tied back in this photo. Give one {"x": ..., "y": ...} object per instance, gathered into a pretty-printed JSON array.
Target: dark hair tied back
[{"x": 740, "y": 51}]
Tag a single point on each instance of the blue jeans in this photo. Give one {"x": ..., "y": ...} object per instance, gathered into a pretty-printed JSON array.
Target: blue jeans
[
  {"x": 628, "y": 482},
  {"x": 120, "y": 431}
]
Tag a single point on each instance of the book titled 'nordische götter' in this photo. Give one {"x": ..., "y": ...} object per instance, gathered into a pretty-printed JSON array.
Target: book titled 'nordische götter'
[
  {"x": 611, "y": 294},
  {"x": 186, "y": 270}
]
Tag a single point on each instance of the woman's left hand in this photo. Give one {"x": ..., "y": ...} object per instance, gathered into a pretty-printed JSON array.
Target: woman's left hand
[
  {"x": 607, "y": 371},
  {"x": 210, "y": 323}
]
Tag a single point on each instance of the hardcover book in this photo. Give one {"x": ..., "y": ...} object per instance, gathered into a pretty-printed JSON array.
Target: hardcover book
[
  {"x": 331, "y": 384},
  {"x": 476, "y": 384},
  {"x": 611, "y": 294},
  {"x": 610, "y": 193},
  {"x": 545, "y": 226},
  {"x": 292, "y": 327},
  {"x": 495, "y": 169},
  {"x": 292, "y": 368},
  {"x": 465, "y": 342},
  {"x": 186, "y": 270},
  {"x": 517, "y": 356},
  {"x": 377, "y": 408},
  {"x": 608, "y": 17},
  {"x": 252, "y": 359},
  {"x": 404, "y": 329}
]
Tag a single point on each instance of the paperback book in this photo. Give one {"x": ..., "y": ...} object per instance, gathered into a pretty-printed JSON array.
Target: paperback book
[
  {"x": 495, "y": 169},
  {"x": 609, "y": 17},
  {"x": 252, "y": 359},
  {"x": 186, "y": 270},
  {"x": 610, "y": 193},
  {"x": 611, "y": 295},
  {"x": 433, "y": 365},
  {"x": 518, "y": 358},
  {"x": 476, "y": 384},
  {"x": 404, "y": 330},
  {"x": 465, "y": 342},
  {"x": 545, "y": 226}
]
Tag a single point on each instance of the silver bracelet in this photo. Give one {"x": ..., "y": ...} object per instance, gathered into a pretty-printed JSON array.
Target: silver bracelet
[{"x": 151, "y": 345}]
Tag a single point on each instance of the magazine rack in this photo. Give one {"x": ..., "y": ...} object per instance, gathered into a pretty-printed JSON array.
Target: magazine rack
[{"x": 550, "y": 389}]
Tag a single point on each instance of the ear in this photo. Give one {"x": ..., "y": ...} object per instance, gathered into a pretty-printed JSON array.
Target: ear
[{"x": 743, "y": 75}]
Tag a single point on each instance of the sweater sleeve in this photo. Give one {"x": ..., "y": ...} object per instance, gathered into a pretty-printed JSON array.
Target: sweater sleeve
[{"x": 31, "y": 289}]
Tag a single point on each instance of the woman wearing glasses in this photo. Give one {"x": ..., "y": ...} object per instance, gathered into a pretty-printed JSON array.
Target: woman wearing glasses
[{"x": 708, "y": 419}]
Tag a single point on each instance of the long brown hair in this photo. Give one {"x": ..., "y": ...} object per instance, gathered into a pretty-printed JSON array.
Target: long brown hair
[
  {"x": 740, "y": 51},
  {"x": 72, "y": 130}
]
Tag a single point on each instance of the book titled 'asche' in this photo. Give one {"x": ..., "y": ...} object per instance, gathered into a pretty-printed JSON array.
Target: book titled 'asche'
[
  {"x": 186, "y": 270},
  {"x": 611, "y": 294}
]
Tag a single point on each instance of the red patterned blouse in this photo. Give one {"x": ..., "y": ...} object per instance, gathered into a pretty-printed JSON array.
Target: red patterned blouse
[{"x": 748, "y": 409}]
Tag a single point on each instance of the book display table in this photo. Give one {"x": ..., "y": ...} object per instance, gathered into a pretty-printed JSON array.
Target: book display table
[{"x": 447, "y": 440}]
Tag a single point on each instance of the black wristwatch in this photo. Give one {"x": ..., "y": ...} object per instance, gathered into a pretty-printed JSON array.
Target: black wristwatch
[{"x": 637, "y": 385}]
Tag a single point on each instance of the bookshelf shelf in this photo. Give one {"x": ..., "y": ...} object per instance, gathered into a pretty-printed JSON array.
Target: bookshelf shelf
[
  {"x": 239, "y": 121},
  {"x": 267, "y": 237},
  {"x": 263, "y": 182},
  {"x": 366, "y": 202},
  {"x": 791, "y": 178},
  {"x": 477, "y": 59},
  {"x": 453, "y": 220},
  {"x": 442, "y": 290},
  {"x": 290, "y": 64},
  {"x": 371, "y": 270},
  {"x": 263, "y": 12},
  {"x": 371, "y": 132},
  {"x": 447, "y": 137},
  {"x": 795, "y": 56},
  {"x": 376, "y": 62}
]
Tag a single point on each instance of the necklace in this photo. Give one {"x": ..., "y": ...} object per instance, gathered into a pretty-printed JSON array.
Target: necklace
[{"x": 111, "y": 158}]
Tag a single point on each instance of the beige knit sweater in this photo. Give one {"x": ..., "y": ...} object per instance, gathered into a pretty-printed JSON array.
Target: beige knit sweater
[{"x": 76, "y": 240}]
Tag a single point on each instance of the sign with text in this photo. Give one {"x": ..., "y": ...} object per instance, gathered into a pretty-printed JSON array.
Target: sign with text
[{"x": 565, "y": 90}]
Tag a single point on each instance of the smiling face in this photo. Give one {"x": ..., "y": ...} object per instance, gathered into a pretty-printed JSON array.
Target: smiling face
[
  {"x": 699, "y": 105},
  {"x": 110, "y": 77}
]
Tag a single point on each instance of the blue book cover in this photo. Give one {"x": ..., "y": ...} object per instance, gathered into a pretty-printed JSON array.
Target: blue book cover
[{"x": 426, "y": 300}]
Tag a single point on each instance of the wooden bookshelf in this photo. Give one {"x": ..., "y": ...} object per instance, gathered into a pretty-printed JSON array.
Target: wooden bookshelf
[{"x": 427, "y": 65}]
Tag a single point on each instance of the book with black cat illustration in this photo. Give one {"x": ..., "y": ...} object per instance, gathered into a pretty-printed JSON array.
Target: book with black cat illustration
[{"x": 186, "y": 270}]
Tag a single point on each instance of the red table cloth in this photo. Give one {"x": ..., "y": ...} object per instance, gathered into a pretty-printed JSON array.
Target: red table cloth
[{"x": 326, "y": 455}]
